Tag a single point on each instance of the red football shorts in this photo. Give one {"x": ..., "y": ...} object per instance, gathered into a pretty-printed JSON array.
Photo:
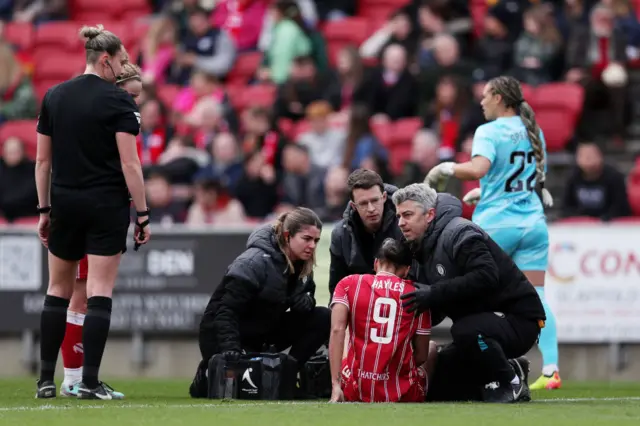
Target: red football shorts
[
  {"x": 415, "y": 393},
  {"x": 83, "y": 269}
]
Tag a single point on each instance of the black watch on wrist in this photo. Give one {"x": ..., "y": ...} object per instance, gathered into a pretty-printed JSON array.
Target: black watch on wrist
[
  {"x": 143, "y": 213},
  {"x": 42, "y": 210}
]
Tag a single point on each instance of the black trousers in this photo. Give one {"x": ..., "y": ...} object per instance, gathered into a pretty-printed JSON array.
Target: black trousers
[
  {"x": 482, "y": 344},
  {"x": 303, "y": 332}
]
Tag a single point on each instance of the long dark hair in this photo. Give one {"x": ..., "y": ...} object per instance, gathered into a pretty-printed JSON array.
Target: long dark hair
[
  {"x": 511, "y": 91},
  {"x": 358, "y": 127}
]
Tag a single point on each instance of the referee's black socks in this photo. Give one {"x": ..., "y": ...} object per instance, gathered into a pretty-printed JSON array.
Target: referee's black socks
[
  {"x": 53, "y": 323},
  {"x": 94, "y": 337}
]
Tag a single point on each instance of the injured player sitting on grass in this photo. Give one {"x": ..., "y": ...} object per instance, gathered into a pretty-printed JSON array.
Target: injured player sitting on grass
[{"x": 388, "y": 357}]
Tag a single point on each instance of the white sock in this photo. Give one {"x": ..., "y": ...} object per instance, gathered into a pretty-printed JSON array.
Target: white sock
[
  {"x": 72, "y": 376},
  {"x": 548, "y": 370},
  {"x": 515, "y": 380}
]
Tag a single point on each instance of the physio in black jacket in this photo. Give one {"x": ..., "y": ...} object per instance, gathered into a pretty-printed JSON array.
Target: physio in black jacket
[
  {"x": 267, "y": 296},
  {"x": 496, "y": 312},
  {"x": 369, "y": 219}
]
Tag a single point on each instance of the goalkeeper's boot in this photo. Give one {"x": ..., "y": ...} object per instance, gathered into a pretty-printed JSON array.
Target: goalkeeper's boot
[{"x": 547, "y": 382}]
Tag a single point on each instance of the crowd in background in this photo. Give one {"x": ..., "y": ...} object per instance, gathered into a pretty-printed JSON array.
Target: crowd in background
[{"x": 213, "y": 154}]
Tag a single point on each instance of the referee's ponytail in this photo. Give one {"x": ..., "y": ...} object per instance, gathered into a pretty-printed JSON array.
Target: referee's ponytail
[
  {"x": 98, "y": 41},
  {"x": 511, "y": 91}
]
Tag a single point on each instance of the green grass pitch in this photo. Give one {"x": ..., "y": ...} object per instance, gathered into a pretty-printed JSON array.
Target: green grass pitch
[{"x": 165, "y": 403}]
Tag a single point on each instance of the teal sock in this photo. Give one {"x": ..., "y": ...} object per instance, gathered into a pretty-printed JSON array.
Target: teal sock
[{"x": 548, "y": 343}]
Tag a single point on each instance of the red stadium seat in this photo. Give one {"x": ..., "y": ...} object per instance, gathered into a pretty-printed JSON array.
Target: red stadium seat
[
  {"x": 263, "y": 95},
  {"x": 3, "y": 221},
  {"x": 468, "y": 185},
  {"x": 61, "y": 35},
  {"x": 245, "y": 68},
  {"x": 349, "y": 30},
  {"x": 633, "y": 191},
  {"x": 25, "y": 130},
  {"x": 578, "y": 220},
  {"x": 19, "y": 34},
  {"x": 405, "y": 129},
  {"x": 558, "y": 107},
  {"x": 112, "y": 9},
  {"x": 59, "y": 67},
  {"x": 528, "y": 93},
  {"x": 398, "y": 156}
]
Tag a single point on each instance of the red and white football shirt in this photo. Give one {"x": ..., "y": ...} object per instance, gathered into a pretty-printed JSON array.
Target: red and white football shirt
[{"x": 380, "y": 365}]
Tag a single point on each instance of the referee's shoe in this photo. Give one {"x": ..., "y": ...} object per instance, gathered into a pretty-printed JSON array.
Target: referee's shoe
[{"x": 103, "y": 392}]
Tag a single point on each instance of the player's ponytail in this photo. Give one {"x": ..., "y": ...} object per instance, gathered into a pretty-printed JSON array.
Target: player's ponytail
[
  {"x": 292, "y": 222},
  {"x": 511, "y": 91}
]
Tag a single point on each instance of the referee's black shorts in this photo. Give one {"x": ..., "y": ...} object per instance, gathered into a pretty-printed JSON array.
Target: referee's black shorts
[{"x": 92, "y": 221}]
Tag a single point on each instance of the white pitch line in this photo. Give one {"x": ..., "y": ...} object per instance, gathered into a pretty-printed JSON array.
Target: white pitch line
[{"x": 81, "y": 406}]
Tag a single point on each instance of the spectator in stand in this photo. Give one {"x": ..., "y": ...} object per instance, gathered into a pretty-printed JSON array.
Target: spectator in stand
[
  {"x": 442, "y": 17},
  {"x": 257, "y": 189},
  {"x": 625, "y": 19},
  {"x": 392, "y": 89},
  {"x": 304, "y": 86},
  {"x": 260, "y": 134},
  {"x": 281, "y": 50},
  {"x": 361, "y": 144},
  {"x": 153, "y": 136},
  {"x": 424, "y": 157},
  {"x": 212, "y": 207},
  {"x": 335, "y": 10},
  {"x": 38, "y": 11},
  {"x": 336, "y": 195},
  {"x": 325, "y": 144},
  {"x": 303, "y": 182},
  {"x": 572, "y": 13},
  {"x": 17, "y": 97},
  {"x": 203, "y": 86},
  {"x": 537, "y": 50},
  {"x": 17, "y": 182},
  {"x": 166, "y": 211},
  {"x": 181, "y": 160},
  {"x": 446, "y": 53},
  {"x": 206, "y": 48},
  {"x": 242, "y": 19},
  {"x": 225, "y": 166},
  {"x": 474, "y": 115},
  {"x": 445, "y": 115},
  {"x": 180, "y": 10},
  {"x": 158, "y": 50},
  {"x": 595, "y": 189},
  {"x": 207, "y": 120},
  {"x": 592, "y": 52},
  {"x": 346, "y": 87},
  {"x": 397, "y": 30},
  {"x": 495, "y": 48}
]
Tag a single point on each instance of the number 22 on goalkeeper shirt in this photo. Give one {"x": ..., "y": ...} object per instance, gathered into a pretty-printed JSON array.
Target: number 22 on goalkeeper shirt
[{"x": 380, "y": 365}]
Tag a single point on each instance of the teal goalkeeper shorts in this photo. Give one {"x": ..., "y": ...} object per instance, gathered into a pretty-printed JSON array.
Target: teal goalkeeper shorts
[{"x": 528, "y": 247}]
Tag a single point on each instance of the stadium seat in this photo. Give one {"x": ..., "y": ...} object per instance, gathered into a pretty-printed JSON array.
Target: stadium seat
[
  {"x": 405, "y": 129},
  {"x": 633, "y": 192},
  {"x": 244, "y": 68},
  {"x": 60, "y": 67},
  {"x": 110, "y": 9},
  {"x": 25, "y": 130},
  {"x": 398, "y": 156},
  {"x": 60, "y": 35},
  {"x": 467, "y": 210},
  {"x": 528, "y": 92},
  {"x": 3, "y": 221},
  {"x": 578, "y": 220},
  {"x": 558, "y": 107},
  {"x": 348, "y": 30},
  {"x": 19, "y": 34}
]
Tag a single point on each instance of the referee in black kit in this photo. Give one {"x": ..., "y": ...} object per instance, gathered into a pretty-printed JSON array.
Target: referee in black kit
[{"x": 87, "y": 160}]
